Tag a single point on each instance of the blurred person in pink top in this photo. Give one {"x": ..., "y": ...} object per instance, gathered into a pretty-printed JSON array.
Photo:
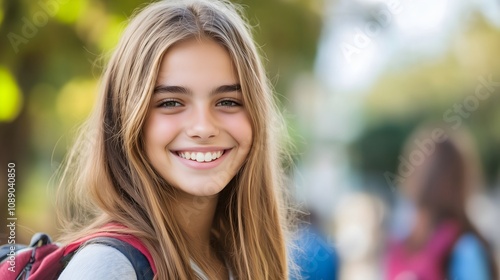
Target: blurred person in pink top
[{"x": 441, "y": 243}]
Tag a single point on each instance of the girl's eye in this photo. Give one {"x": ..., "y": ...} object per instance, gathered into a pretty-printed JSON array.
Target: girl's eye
[
  {"x": 228, "y": 103},
  {"x": 170, "y": 103}
]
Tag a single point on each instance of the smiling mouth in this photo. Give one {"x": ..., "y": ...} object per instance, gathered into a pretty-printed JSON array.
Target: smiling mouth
[{"x": 201, "y": 157}]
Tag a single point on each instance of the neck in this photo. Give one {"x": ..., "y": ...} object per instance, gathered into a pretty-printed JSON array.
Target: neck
[
  {"x": 195, "y": 216},
  {"x": 421, "y": 229}
]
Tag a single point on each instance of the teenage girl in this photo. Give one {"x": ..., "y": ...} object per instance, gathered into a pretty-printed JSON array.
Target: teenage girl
[{"x": 181, "y": 152}]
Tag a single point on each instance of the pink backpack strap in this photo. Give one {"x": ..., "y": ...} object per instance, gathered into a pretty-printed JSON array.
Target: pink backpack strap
[
  {"x": 426, "y": 263},
  {"x": 444, "y": 239},
  {"x": 130, "y": 239}
]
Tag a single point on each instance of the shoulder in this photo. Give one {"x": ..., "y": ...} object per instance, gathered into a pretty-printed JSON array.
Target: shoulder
[
  {"x": 469, "y": 258},
  {"x": 98, "y": 261},
  {"x": 469, "y": 245}
]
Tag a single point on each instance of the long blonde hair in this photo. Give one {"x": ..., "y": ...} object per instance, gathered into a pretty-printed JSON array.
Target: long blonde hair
[{"x": 107, "y": 176}]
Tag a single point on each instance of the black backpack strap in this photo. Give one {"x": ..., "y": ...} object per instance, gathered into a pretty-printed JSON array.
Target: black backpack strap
[{"x": 140, "y": 263}]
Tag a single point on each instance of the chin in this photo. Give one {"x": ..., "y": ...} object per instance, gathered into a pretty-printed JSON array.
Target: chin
[{"x": 201, "y": 188}]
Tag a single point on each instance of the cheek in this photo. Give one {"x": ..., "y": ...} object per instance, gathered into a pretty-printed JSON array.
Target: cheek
[
  {"x": 159, "y": 130},
  {"x": 240, "y": 128}
]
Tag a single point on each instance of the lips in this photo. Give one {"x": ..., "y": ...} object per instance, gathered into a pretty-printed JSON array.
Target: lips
[{"x": 200, "y": 156}]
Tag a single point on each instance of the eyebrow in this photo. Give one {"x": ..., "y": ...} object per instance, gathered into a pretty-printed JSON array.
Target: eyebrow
[{"x": 183, "y": 90}]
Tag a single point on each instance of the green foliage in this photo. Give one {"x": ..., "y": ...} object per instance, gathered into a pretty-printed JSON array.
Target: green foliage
[
  {"x": 435, "y": 91},
  {"x": 10, "y": 97}
]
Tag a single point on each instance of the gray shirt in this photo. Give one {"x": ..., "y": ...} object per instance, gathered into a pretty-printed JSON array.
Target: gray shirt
[{"x": 98, "y": 261}]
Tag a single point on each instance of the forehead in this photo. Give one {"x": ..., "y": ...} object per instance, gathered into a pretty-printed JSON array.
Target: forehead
[{"x": 196, "y": 60}]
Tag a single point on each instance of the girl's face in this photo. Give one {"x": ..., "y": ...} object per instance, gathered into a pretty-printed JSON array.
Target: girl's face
[{"x": 197, "y": 133}]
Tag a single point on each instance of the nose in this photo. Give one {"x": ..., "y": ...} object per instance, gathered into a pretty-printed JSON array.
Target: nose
[{"x": 202, "y": 125}]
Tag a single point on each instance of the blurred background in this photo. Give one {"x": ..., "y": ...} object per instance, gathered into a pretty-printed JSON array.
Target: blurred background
[{"x": 354, "y": 78}]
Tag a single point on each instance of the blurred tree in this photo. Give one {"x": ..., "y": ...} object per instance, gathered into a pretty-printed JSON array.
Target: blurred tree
[{"x": 436, "y": 90}]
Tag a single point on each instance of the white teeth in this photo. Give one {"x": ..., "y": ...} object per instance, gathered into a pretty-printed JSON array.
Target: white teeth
[
  {"x": 201, "y": 157},
  {"x": 208, "y": 157}
]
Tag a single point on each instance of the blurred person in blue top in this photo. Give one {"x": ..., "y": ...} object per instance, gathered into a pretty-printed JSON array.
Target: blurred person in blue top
[
  {"x": 312, "y": 255},
  {"x": 441, "y": 242}
]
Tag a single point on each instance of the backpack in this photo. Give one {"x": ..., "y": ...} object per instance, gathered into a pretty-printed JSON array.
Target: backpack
[
  {"x": 44, "y": 260},
  {"x": 427, "y": 263}
]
